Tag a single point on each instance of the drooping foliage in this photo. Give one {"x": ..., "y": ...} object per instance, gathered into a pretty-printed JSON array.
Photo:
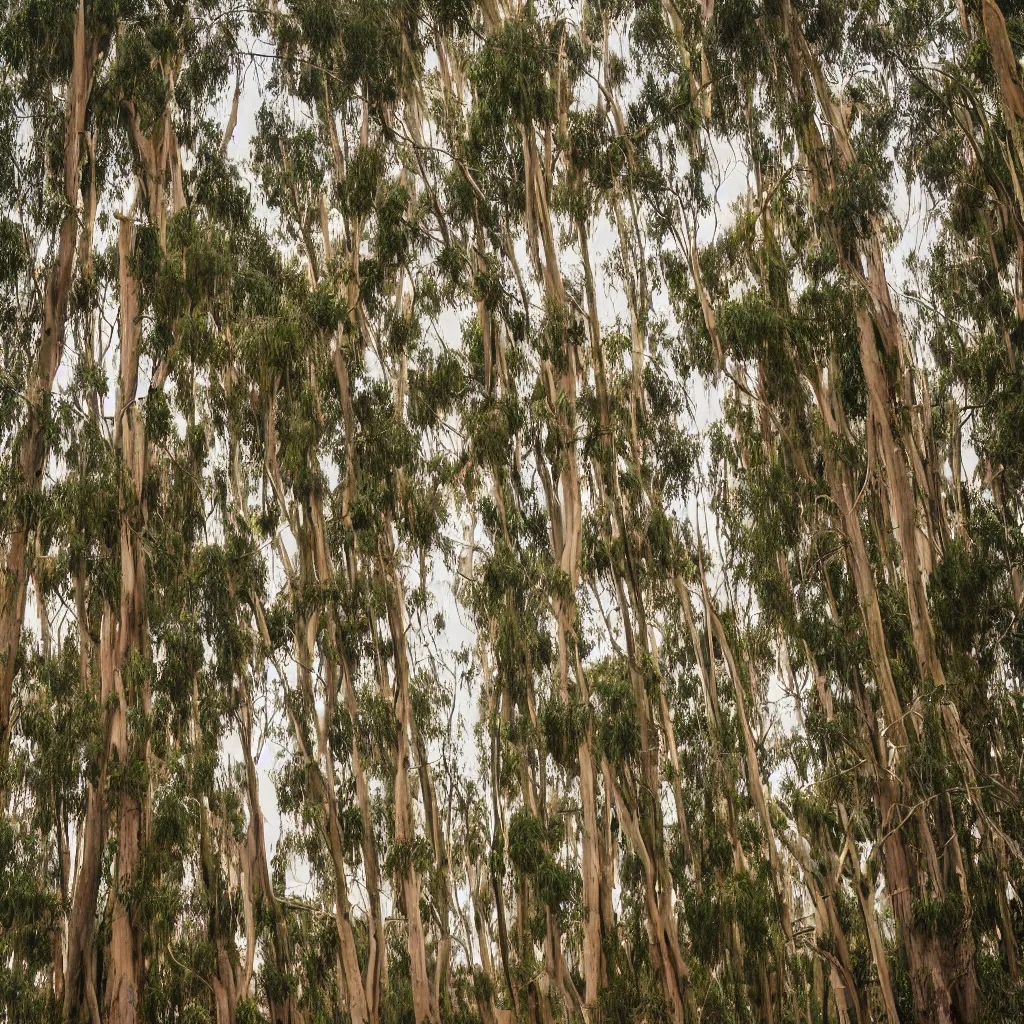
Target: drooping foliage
[{"x": 511, "y": 511}]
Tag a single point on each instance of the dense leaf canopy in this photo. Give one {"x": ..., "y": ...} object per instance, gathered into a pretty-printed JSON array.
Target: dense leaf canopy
[{"x": 511, "y": 511}]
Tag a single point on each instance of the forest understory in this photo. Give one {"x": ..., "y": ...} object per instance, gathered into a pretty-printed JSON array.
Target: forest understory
[{"x": 511, "y": 511}]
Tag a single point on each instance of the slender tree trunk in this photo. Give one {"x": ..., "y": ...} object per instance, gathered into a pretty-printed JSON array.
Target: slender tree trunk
[
  {"x": 404, "y": 833},
  {"x": 31, "y": 444},
  {"x": 123, "y": 995}
]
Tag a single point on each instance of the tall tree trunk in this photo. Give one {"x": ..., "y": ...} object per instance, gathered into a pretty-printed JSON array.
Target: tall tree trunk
[
  {"x": 31, "y": 444},
  {"x": 123, "y": 995},
  {"x": 423, "y": 1006}
]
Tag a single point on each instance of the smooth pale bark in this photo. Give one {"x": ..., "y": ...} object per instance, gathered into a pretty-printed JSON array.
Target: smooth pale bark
[
  {"x": 933, "y": 977},
  {"x": 423, "y": 1006},
  {"x": 32, "y": 441},
  {"x": 159, "y": 159},
  {"x": 256, "y": 882},
  {"x": 335, "y": 662},
  {"x": 754, "y": 780},
  {"x": 214, "y": 852},
  {"x": 80, "y": 977},
  {"x": 565, "y": 510},
  {"x": 96, "y": 676},
  {"x": 320, "y": 764},
  {"x": 286, "y": 1011},
  {"x": 866, "y": 900},
  {"x": 348, "y": 332},
  {"x": 438, "y": 842},
  {"x": 123, "y": 996},
  {"x": 1008, "y": 76},
  {"x": 487, "y": 1008},
  {"x": 821, "y": 887}
]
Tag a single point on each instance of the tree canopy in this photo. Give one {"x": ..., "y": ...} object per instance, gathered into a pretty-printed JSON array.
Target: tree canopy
[{"x": 511, "y": 511}]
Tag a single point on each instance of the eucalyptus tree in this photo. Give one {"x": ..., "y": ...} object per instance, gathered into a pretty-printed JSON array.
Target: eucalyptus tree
[
  {"x": 57, "y": 64},
  {"x": 465, "y": 405},
  {"x": 90, "y": 762},
  {"x": 834, "y": 368},
  {"x": 368, "y": 511}
]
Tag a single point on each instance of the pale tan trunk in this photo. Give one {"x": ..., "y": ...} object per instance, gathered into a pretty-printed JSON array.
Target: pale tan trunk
[
  {"x": 866, "y": 899},
  {"x": 257, "y": 874},
  {"x": 123, "y": 996},
  {"x": 754, "y": 779},
  {"x": 1008, "y": 76},
  {"x": 566, "y": 515},
  {"x": 80, "y": 987},
  {"x": 423, "y": 1007},
  {"x": 440, "y": 847},
  {"x": 326, "y": 573},
  {"x": 322, "y": 770},
  {"x": 255, "y": 866},
  {"x": 32, "y": 444}
]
